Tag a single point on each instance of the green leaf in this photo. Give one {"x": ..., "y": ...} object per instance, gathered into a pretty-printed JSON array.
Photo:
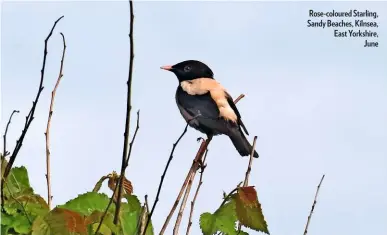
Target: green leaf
[
  {"x": 89, "y": 202},
  {"x": 98, "y": 185},
  {"x": 133, "y": 202},
  {"x": 207, "y": 223},
  {"x": 104, "y": 230},
  {"x": 107, "y": 225},
  {"x": 4, "y": 229},
  {"x": 248, "y": 209},
  {"x": 33, "y": 205},
  {"x": 6, "y": 219},
  {"x": 222, "y": 220},
  {"x": 21, "y": 224},
  {"x": 130, "y": 216},
  {"x": 60, "y": 222},
  {"x": 18, "y": 182},
  {"x": 18, "y": 222}
]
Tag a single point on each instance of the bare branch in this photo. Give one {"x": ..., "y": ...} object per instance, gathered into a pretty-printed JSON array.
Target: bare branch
[
  {"x": 183, "y": 204},
  {"x": 241, "y": 96},
  {"x": 246, "y": 182},
  {"x": 314, "y": 204},
  {"x": 197, "y": 192},
  {"x": 47, "y": 134},
  {"x": 190, "y": 175},
  {"x": 5, "y": 134},
  {"x": 134, "y": 138},
  {"x": 30, "y": 116},
  {"x": 125, "y": 155}
]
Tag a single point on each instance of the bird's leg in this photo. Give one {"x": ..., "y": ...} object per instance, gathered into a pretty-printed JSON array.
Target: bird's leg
[{"x": 201, "y": 164}]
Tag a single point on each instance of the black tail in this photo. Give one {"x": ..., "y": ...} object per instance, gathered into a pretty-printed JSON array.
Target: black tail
[{"x": 242, "y": 144}]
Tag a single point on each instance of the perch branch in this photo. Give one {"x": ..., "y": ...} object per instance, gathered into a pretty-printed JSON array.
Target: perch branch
[
  {"x": 5, "y": 134},
  {"x": 314, "y": 204},
  {"x": 203, "y": 166},
  {"x": 47, "y": 134},
  {"x": 30, "y": 116},
  {"x": 191, "y": 174},
  {"x": 125, "y": 156}
]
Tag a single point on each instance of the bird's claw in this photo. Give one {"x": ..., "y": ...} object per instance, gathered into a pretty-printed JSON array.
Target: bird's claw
[
  {"x": 201, "y": 166},
  {"x": 199, "y": 139}
]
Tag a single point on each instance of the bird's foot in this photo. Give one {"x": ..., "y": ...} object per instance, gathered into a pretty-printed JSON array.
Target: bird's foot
[{"x": 201, "y": 166}]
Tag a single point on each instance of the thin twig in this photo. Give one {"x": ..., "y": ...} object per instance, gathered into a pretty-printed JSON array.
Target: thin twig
[
  {"x": 241, "y": 96},
  {"x": 125, "y": 156},
  {"x": 106, "y": 210},
  {"x": 190, "y": 175},
  {"x": 163, "y": 176},
  {"x": 30, "y": 116},
  {"x": 246, "y": 181},
  {"x": 5, "y": 153},
  {"x": 5, "y": 134},
  {"x": 314, "y": 203},
  {"x": 142, "y": 219},
  {"x": 133, "y": 139},
  {"x": 228, "y": 196},
  {"x": 146, "y": 202},
  {"x": 203, "y": 167},
  {"x": 47, "y": 134}
]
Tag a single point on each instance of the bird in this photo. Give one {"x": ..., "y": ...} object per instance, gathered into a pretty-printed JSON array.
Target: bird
[{"x": 207, "y": 106}]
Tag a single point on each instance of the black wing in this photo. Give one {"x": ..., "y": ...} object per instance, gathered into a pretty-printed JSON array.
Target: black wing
[
  {"x": 202, "y": 113},
  {"x": 233, "y": 106}
]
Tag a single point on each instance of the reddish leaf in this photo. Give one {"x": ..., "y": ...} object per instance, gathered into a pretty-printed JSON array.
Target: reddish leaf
[
  {"x": 248, "y": 209},
  {"x": 128, "y": 186},
  {"x": 60, "y": 221}
]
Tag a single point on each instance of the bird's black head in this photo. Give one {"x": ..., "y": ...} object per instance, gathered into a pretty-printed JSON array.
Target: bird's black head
[{"x": 189, "y": 70}]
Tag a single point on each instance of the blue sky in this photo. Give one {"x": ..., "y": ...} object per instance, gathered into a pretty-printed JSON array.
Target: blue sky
[{"x": 316, "y": 103}]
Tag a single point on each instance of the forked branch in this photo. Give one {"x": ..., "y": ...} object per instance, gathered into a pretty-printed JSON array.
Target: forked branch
[{"x": 30, "y": 116}]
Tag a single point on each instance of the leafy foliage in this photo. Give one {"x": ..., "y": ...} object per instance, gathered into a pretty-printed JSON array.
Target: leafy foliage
[
  {"x": 242, "y": 206},
  {"x": 21, "y": 205},
  {"x": 223, "y": 220},
  {"x": 87, "y": 203},
  {"x": 27, "y": 213},
  {"x": 60, "y": 221}
]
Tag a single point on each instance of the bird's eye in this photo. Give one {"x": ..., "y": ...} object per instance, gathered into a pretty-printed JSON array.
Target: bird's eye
[{"x": 187, "y": 68}]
